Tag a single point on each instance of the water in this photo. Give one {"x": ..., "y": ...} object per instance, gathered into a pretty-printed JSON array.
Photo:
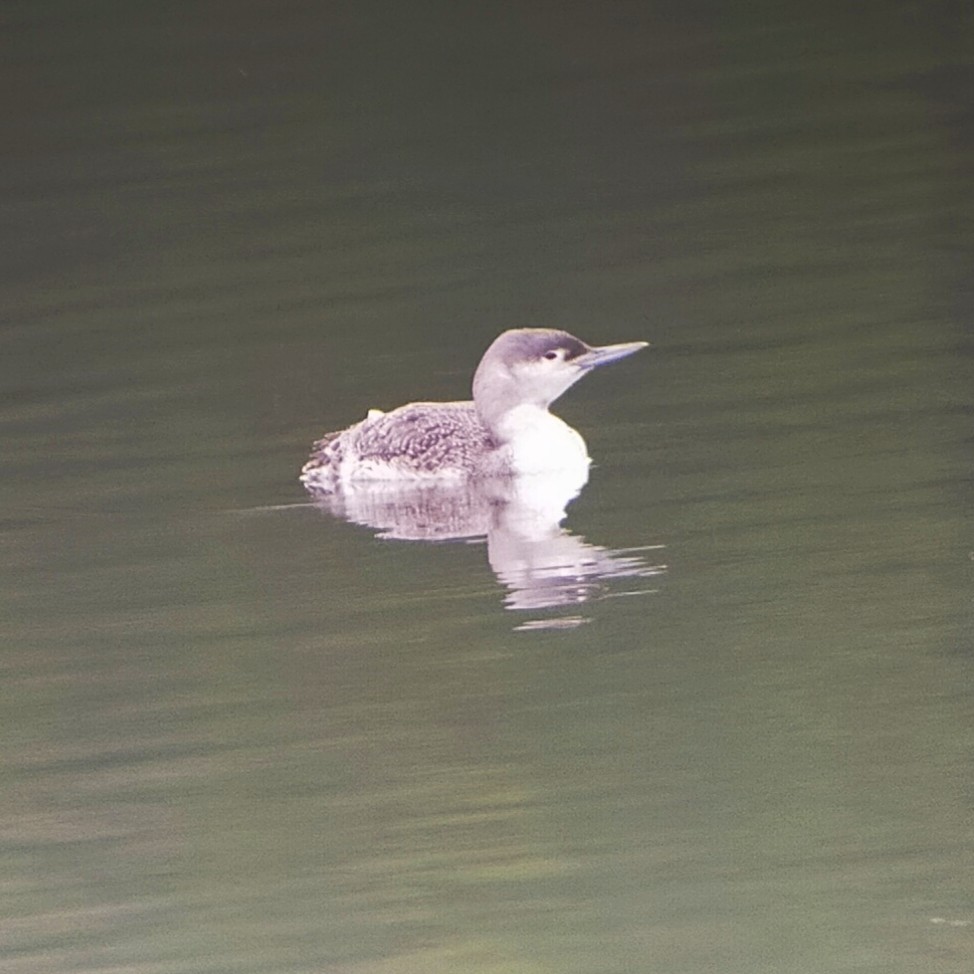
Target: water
[{"x": 243, "y": 735}]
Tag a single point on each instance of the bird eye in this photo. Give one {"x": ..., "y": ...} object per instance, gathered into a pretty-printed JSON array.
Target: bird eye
[{"x": 551, "y": 356}]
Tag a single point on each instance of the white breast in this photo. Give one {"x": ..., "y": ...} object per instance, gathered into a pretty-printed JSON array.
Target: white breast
[{"x": 538, "y": 442}]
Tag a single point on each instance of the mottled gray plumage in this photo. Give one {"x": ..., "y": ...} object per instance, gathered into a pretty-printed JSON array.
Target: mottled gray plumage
[
  {"x": 422, "y": 437},
  {"x": 505, "y": 429}
]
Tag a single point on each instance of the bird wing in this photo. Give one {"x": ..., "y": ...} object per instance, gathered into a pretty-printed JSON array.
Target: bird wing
[{"x": 425, "y": 435}]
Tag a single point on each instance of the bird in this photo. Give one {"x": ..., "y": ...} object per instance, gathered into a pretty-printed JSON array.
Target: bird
[{"x": 505, "y": 430}]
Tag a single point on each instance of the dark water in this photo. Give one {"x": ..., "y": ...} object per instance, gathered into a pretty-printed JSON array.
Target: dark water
[{"x": 240, "y": 735}]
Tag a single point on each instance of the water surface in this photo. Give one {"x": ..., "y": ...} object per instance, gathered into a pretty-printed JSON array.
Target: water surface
[{"x": 242, "y": 735}]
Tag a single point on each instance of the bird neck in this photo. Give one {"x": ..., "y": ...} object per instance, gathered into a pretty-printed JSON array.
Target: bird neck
[
  {"x": 501, "y": 405},
  {"x": 521, "y": 421}
]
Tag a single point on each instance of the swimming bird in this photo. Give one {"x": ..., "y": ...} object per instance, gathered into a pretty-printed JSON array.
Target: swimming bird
[{"x": 506, "y": 430}]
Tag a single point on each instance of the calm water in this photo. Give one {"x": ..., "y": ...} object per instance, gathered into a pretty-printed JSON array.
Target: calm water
[{"x": 241, "y": 735}]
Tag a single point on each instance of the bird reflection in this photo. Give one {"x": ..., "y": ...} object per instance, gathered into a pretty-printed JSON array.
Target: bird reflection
[{"x": 539, "y": 562}]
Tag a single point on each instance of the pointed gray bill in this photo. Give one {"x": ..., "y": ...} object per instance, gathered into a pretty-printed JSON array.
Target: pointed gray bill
[{"x": 604, "y": 354}]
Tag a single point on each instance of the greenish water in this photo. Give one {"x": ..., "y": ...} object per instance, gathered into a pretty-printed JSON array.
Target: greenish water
[{"x": 242, "y": 735}]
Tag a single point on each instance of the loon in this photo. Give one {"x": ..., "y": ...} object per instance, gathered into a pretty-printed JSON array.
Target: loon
[{"x": 506, "y": 430}]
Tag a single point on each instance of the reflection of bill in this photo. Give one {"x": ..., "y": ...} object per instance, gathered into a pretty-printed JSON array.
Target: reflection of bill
[{"x": 541, "y": 564}]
